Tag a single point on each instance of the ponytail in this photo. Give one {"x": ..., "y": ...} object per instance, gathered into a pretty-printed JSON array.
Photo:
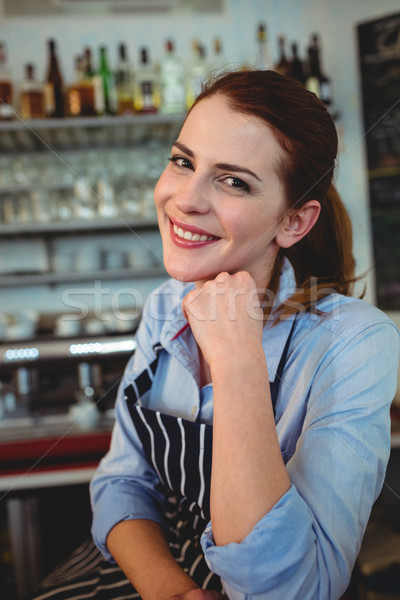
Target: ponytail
[{"x": 323, "y": 260}]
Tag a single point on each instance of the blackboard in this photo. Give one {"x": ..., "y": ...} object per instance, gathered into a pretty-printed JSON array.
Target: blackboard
[{"x": 379, "y": 60}]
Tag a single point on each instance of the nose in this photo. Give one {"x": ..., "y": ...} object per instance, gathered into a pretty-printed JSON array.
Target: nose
[{"x": 193, "y": 195}]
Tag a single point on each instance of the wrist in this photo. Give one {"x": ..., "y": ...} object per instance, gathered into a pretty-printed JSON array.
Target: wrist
[
  {"x": 241, "y": 360},
  {"x": 176, "y": 584},
  {"x": 170, "y": 580}
]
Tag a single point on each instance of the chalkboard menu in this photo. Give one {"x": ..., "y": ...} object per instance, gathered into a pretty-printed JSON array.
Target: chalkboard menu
[{"x": 379, "y": 57}]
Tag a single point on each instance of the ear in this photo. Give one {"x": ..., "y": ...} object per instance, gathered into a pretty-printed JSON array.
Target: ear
[{"x": 297, "y": 223}]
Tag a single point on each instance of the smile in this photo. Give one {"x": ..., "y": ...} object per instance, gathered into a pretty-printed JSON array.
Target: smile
[{"x": 192, "y": 237}]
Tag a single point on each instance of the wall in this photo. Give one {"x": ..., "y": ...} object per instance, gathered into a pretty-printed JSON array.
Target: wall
[{"x": 235, "y": 24}]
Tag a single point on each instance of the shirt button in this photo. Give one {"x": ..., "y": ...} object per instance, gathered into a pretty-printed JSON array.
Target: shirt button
[{"x": 194, "y": 411}]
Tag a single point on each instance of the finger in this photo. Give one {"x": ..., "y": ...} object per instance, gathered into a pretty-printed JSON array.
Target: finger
[{"x": 222, "y": 277}]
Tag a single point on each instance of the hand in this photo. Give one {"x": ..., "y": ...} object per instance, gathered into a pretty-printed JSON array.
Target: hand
[
  {"x": 224, "y": 314},
  {"x": 198, "y": 595}
]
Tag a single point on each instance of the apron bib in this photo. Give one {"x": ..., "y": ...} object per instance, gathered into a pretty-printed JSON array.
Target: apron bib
[{"x": 180, "y": 452}]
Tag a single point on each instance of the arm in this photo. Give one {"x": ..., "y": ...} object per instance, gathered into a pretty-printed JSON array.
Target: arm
[
  {"x": 142, "y": 552},
  {"x": 248, "y": 473},
  {"x": 334, "y": 430}
]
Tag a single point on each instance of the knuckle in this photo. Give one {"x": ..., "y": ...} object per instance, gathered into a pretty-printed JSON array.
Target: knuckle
[{"x": 223, "y": 276}]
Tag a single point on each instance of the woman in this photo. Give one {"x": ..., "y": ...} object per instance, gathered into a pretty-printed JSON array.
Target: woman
[{"x": 254, "y": 350}]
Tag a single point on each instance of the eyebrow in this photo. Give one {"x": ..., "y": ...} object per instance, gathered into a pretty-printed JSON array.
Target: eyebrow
[{"x": 224, "y": 166}]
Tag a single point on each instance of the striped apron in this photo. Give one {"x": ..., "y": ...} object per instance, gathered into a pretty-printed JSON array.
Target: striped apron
[{"x": 180, "y": 452}]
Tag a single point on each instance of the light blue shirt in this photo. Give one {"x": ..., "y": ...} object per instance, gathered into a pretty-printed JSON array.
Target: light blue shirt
[{"x": 333, "y": 425}]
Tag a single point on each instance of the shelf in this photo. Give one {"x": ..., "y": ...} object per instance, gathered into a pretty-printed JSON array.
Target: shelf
[
  {"x": 33, "y": 279},
  {"x": 26, "y": 188},
  {"x": 91, "y": 225},
  {"x": 86, "y": 132}
]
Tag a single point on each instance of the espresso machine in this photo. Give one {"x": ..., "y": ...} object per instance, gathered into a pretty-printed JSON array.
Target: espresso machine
[{"x": 42, "y": 381}]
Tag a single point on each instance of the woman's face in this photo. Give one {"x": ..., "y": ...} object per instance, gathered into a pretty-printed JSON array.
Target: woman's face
[{"x": 219, "y": 199}]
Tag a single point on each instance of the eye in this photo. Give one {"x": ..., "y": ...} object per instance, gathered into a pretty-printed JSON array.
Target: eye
[
  {"x": 181, "y": 161},
  {"x": 235, "y": 182}
]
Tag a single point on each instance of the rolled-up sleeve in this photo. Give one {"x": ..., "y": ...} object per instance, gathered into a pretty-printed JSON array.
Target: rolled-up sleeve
[{"x": 306, "y": 546}]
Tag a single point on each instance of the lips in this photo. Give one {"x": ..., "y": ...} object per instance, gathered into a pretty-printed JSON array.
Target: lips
[
  {"x": 188, "y": 235},
  {"x": 192, "y": 237}
]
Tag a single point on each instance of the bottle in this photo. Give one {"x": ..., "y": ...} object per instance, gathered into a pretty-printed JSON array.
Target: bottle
[
  {"x": 146, "y": 95},
  {"x": 282, "y": 66},
  {"x": 124, "y": 83},
  {"x": 296, "y": 69},
  {"x": 312, "y": 81},
  {"x": 74, "y": 100},
  {"x": 317, "y": 81},
  {"x": 172, "y": 82},
  {"x": 93, "y": 84},
  {"x": 263, "y": 58},
  {"x": 6, "y": 88},
  {"x": 32, "y": 95},
  {"x": 108, "y": 82},
  {"x": 54, "y": 93},
  {"x": 197, "y": 71},
  {"x": 325, "y": 86},
  {"x": 84, "y": 87}
]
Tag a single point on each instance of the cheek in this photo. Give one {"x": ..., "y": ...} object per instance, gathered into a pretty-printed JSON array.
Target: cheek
[{"x": 240, "y": 221}]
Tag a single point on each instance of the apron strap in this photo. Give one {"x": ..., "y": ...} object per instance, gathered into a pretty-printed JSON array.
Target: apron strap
[{"x": 274, "y": 385}]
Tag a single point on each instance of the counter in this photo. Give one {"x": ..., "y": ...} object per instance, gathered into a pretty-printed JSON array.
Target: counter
[
  {"x": 50, "y": 451},
  {"x": 38, "y": 453}
]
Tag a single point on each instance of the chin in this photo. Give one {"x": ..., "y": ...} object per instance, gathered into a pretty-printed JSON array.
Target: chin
[
  {"x": 178, "y": 274},
  {"x": 188, "y": 274}
]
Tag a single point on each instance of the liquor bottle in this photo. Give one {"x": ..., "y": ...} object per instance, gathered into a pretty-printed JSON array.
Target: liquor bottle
[
  {"x": 197, "y": 71},
  {"x": 6, "y": 88},
  {"x": 296, "y": 69},
  {"x": 317, "y": 81},
  {"x": 325, "y": 87},
  {"x": 312, "y": 80},
  {"x": 108, "y": 82},
  {"x": 282, "y": 66},
  {"x": 263, "y": 58},
  {"x": 172, "y": 82},
  {"x": 93, "y": 83},
  {"x": 32, "y": 95},
  {"x": 54, "y": 92},
  {"x": 146, "y": 94},
  {"x": 85, "y": 89},
  {"x": 73, "y": 95},
  {"x": 88, "y": 66},
  {"x": 124, "y": 82}
]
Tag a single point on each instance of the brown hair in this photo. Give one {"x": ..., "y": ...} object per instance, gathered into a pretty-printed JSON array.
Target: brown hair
[{"x": 323, "y": 260}]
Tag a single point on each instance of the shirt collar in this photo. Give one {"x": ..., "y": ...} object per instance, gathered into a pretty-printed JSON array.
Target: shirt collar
[
  {"x": 276, "y": 333},
  {"x": 176, "y": 322}
]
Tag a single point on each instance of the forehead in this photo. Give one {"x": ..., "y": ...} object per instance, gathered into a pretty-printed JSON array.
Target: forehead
[{"x": 214, "y": 129}]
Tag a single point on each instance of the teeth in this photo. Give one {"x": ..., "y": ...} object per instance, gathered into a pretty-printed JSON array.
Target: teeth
[{"x": 193, "y": 237}]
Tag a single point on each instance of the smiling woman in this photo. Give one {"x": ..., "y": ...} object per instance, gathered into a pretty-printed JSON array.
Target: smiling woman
[{"x": 252, "y": 423}]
